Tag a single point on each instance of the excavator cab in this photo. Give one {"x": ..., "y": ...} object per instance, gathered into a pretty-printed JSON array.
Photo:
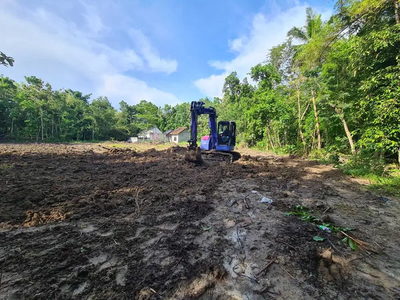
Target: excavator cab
[{"x": 226, "y": 136}]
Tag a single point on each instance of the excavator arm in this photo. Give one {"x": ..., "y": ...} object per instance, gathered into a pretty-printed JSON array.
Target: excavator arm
[{"x": 197, "y": 108}]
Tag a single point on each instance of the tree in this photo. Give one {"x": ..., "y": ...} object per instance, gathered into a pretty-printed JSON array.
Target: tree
[
  {"x": 6, "y": 60},
  {"x": 310, "y": 29},
  {"x": 232, "y": 87}
]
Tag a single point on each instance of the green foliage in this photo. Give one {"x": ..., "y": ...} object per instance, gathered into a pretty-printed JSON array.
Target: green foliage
[
  {"x": 388, "y": 185},
  {"x": 352, "y": 244},
  {"x": 6, "y": 60},
  {"x": 34, "y": 111},
  {"x": 317, "y": 238},
  {"x": 366, "y": 163},
  {"x": 305, "y": 214}
]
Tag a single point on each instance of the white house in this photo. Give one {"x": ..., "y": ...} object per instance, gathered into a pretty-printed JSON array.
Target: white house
[
  {"x": 179, "y": 135},
  {"x": 166, "y": 138},
  {"x": 152, "y": 134},
  {"x": 133, "y": 139}
]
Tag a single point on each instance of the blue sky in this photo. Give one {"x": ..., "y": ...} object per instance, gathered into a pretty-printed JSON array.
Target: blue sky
[{"x": 158, "y": 50}]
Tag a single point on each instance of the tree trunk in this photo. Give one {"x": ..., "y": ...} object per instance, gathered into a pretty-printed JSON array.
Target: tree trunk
[
  {"x": 398, "y": 156},
  {"x": 52, "y": 126},
  {"x": 313, "y": 139},
  {"x": 327, "y": 136},
  {"x": 93, "y": 131},
  {"x": 299, "y": 109},
  {"x": 41, "y": 121},
  {"x": 12, "y": 126},
  {"x": 37, "y": 134},
  {"x": 316, "y": 120},
  {"x": 348, "y": 133},
  {"x": 278, "y": 138},
  {"x": 285, "y": 136},
  {"x": 266, "y": 138},
  {"x": 269, "y": 137},
  {"x": 346, "y": 128},
  {"x": 396, "y": 11}
]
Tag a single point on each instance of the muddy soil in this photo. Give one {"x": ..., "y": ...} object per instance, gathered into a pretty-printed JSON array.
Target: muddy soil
[{"x": 104, "y": 222}]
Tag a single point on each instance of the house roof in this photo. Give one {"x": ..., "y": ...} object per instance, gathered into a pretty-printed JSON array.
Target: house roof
[
  {"x": 177, "y": 131},
  {"x": 167, "y": 131},
  {"x": 150, "y": 131}
]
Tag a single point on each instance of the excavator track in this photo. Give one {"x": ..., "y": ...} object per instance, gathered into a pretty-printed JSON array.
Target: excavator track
[
  {"x": 199, "y": 156},
  {"x": 214, "y": 155}
]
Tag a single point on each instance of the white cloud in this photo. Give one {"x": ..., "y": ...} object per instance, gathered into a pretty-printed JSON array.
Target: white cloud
[
  {"x": 237, "y": 44},
  {"x": 151, "y": 54},
  {"x": 93, "y": 21},
  {"x": 124, "y": 87},
  {"x": 211, "y": 86},
  {"x": 253, "y": 48},
  {"x": 68, "y": 56}
]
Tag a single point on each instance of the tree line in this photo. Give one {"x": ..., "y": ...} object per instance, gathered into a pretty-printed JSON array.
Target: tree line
[
  {"x": 33, "y": 111},
  {"x": 332, "y": 86}
]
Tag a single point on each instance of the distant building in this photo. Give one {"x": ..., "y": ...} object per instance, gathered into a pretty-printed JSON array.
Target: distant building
[
  {"x": 133, "y": 139},
  {"x": 165, "y": 136},
  {"x": 179, "y": 135},
  {"x": 152, "y": 134}
]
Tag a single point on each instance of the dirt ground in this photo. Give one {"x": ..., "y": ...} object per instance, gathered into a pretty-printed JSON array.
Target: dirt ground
[{"x": 103, "y": 221}]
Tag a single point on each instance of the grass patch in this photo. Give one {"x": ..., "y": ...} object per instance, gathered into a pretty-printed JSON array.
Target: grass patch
[
  {"x": 385, "y": 185},
  {"x": 118, "y": 146}
]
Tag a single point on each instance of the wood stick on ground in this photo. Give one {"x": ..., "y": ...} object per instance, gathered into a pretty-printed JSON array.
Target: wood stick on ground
[
  {"x": 363, "y": 245},
  {"x": 245, "y": 203},
  {"x": 355, "y": 239},
  {"x": 291, "y": 276},
  {"x": 243, "y": 275},
  {"x": 266, "y": 267},
  {"x": 334, "y": 247},
  {"x": 290, "y": 246}
]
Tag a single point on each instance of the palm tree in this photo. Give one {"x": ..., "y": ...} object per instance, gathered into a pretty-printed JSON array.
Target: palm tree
[{"x": 313, "y": 26}]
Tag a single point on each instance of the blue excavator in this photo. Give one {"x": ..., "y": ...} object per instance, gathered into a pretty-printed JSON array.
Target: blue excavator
[{"x": 219, "y": 145}]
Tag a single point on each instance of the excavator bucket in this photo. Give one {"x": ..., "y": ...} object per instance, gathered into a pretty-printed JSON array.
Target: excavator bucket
[{"x": 194, "y": 155}]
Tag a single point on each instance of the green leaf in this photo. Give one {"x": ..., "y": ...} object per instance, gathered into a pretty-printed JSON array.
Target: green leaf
[
  {"x": 345, "y": 240},
  {"x": 318, "y": 238},
  {"x": 347, "y": 229},
  {"x": 353, "y": 245},
  {"x": 207, "y": 228}
]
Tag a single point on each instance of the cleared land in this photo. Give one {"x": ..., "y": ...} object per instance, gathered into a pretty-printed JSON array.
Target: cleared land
[{"x": 110, "y": 221}]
